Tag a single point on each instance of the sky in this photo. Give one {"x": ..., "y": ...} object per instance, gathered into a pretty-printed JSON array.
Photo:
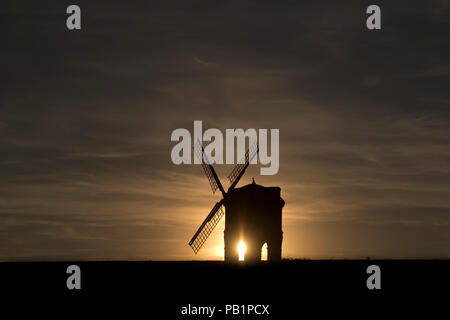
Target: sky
[{"x": 86, "y": 118}]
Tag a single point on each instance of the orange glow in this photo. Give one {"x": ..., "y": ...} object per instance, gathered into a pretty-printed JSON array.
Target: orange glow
[
  {"x": 264, "y": 252},
  {"x": 241, "y": 249}
]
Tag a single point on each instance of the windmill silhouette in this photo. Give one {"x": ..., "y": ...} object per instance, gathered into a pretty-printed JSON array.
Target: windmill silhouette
[{"x": 253, "y": 213}]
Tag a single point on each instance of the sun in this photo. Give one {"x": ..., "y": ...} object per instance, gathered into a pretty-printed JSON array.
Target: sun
[{"x": 241, "y": 249}]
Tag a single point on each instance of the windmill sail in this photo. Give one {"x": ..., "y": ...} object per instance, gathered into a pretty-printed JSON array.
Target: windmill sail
[
  {"x": 207, "y": 227},
  {"x": 240, "y": 168},
  {"x": 217, "y": 212},
  {"x": 208, "y": 169}
]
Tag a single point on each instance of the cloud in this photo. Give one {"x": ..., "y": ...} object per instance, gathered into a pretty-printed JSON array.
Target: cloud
[{"x": 86, "y": 120}]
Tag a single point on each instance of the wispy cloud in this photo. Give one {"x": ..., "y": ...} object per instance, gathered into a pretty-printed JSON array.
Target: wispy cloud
[{"x": 85, "y": 136}]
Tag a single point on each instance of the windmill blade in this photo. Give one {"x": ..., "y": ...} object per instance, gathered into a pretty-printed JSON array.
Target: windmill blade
[
  {"x": 208, "y": 169},
  {"x": 207, "y": 227},
  {"x": 240, "y": 168}
]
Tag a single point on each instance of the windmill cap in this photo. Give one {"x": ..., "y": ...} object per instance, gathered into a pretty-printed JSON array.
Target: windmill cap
[
  {"x": 255, "y": 191},
  {"x": 254, "y": 187}
]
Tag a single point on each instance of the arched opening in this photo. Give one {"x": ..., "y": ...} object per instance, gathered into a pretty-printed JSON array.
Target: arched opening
[
  {"x": 241, "y": 250},
  {"x": 264, "y": 252}
]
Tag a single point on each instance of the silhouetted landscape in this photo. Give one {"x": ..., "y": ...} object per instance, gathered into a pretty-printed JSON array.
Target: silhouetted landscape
[{"x": 322, "y": 127}]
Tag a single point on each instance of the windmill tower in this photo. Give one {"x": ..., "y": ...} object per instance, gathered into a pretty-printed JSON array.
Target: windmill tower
[{"x": 252, "y": 213}]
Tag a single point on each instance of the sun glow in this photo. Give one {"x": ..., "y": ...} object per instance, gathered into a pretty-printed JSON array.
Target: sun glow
[
  {"x": 241, "y": 249},
  {"x": 264, "y": 252}
]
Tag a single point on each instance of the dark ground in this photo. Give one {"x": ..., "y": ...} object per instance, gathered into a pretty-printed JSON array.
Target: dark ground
[{"x": 291, "y": 287}]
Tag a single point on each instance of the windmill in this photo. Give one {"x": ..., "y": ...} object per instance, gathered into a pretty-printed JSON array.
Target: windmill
[{"x": 253, "y": 212}]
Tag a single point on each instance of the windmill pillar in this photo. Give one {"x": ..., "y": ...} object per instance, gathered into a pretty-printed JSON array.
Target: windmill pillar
[
  {"x": 253, "y": 253},
  {"x": 274, "y": 247},
  {"x": 230, "y": 243}
]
